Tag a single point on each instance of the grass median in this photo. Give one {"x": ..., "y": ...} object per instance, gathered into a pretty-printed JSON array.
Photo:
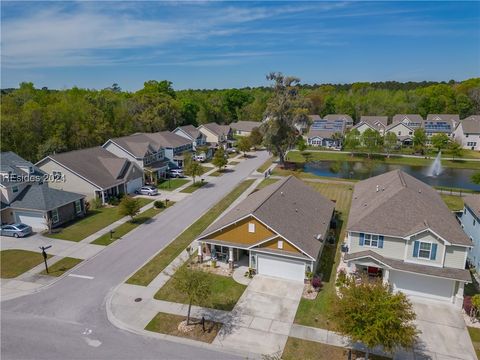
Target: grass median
[
  {"x": 16, "y": 262},
  {"x": 190, "y": 189},
  {"x": 155, "y": 266},
  {"x": 61, "y": 266}
]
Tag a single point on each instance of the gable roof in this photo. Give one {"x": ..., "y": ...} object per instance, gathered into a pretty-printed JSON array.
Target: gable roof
[
  {"x": 392, "y": 125},
  {"x": 473, "y": 203},
  {"x": 245, "y": 125},
  {"x": 41, "y": 197},
  {"x": 471, "y": 124},
  {"x": 345, "y": 117},
  {"x": 402, "y": 206},
  {"x": 289, "y": 207},
  {"x": 452, "y": 118},
  {"x": 190, "y": 130},
  {"x": 415, "y": 119},
  {"x": 137, "y": 144},
  {"x": 375, "y": 121},
  {"x": 217, "y": 129},
  {"x": 167, "y": 139},
  {"x": 324, "y": 134},
  {"x": 11, "y": 162},
  {"x": 97, "y": 165}
]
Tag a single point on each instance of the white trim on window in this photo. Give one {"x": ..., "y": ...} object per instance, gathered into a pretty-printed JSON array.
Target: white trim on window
[
  {"x": 373, "y": 240},
  {"x": 78, "y": 206},
  {"x": 425, "y": 250},
  {"x": 251, "y": 227},
  {"x": 280, "y": 244},
  {"x": 55, "y": 217}
]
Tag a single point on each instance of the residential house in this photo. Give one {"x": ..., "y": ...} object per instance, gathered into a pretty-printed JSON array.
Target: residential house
[
  {"x": 217, "y": 135},
  {"x": 470, "y": 220},
  {"x": 440, "y": 124},
  {"x": 191, "y": 133},
  {"x": 325, "y": 133},
  {"x": 377, "y": 123},
  {"x": 467, "y": 133},
  {"x": 400, "y": 229},
  {"x": 403, "y": 132},
  {"x": 413, "y": 121},
  {"x": 141, "y": 150},
  {"x": 175, "y": 146},
  {"x": 27, "y": 198},
  {"x": 280, "y": 230},
  {"x": 346, "y": 118},
  {"x": 94, "y": 172},
  {"x": 244, "y": 128}
]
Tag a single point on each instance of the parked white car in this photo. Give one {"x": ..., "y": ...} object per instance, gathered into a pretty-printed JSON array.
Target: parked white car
[
  {"x": 176, "y": 173},
  {"x": 231, "y": 150},
  {"x": 199, "y": 157},
  {"x": 147, "y": 190}
]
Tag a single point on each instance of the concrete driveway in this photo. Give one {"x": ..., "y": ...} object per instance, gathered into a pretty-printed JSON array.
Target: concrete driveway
[
  {"x": 444, "y": 333},
  {"x": 262, "y": 318}
]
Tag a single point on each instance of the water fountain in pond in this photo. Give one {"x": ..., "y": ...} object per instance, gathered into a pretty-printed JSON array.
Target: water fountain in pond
[{"x": 436, "y": 168}]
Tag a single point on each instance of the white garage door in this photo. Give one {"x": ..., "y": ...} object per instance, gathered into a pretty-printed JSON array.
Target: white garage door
[
  {"x": 35, "y": 220},
  {"x": 134, "y": 185},
  {"x": 425, "y": 286},
  {"x": 281, "y": 267}
]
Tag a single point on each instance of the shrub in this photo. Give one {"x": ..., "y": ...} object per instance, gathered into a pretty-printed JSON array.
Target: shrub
[
  {"x": 114, "y": 201},
  {"x": 96, "y": 203},
  {"x": 316, "y": 283},
  {"x": 341, "y": 279},
  {"x": 467, "y": 305},
  {"x": 159, "y": 204},
  {"x": 309, "y": 275},
  {"x": 87, "y": 206}
]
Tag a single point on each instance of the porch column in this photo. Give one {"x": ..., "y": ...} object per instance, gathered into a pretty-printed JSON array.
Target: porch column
[
  {"x": 230, "y": 257},
  {"x": 386, "y": 275},
  {"x": 200, "y": 253},
  {"x": 103, "y": 197},
  {"x": 458, "y": 300}
]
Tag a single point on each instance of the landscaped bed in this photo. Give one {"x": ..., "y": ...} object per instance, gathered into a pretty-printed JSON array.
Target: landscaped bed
[
  {"x": 316, "y": 312},
  {"x": 155, "y": 266},
  {"x": 304, "y": 349},
  {"x": 190, "y": 189},
  {"x": 15, "y": 262},
  {"x": 172, "y": 184},
  {"x": 96, "y": 220},
  {"x": 61, "y": 266},
  {"x": 169, "y": 324}
]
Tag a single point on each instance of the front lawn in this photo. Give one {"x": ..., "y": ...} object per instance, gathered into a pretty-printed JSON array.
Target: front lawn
[
  {"x": 475, "y": 337},
  {"x": 266, "y": 182},
  {"x": 15, "y": 262},
  {"x": 224, "y": 296},
  {"x": 190, "y": 189},
  {"x": 61, "y": 266},
  {"x": 155, "y": 266},
  {"x": 128, "y": 226},
  {"x": 172, "y": 184},
  {"x": 317, "y": 312},
  {"x": 304, "y": 349},
  {"x": 168, "y": 324},
  {"x": 266, "y": 165},
  {"x": 95, "y": 220},
  {"x": 454, "y": 203}
]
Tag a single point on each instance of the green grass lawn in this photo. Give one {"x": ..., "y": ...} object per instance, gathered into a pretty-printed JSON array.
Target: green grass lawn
[
  {"x": 190, "y": 189},
  {"x": 266, "y": 165},
  {"x": 168, "y": 324},
  {"x": 172, "y": 184},
  {"x": 475, "y": 337},
  {"x": 224, "y": 296},
  {"x": 453, "y": 202},
  {"x": 128, "y": 226},
  {"x": 93, "y": 222},
  {"x": 61, "y": 266},
  {"x": 296, "y": 156},
  {"x": 266, "y": 182},
  {"x": 15, "y": 262},
  {"x": 317, "y": 312},
  {"x": 155, "y": 266}
]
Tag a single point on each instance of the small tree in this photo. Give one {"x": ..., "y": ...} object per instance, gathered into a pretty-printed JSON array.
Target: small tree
[
  {"x": 455, "y": 149},
  {"x": 256, "y": 137},
  {"x": 192, "y": 168},
  {"x": 219, "y": 159},
  {"x": 301, "y": 144},
  {"x": 338, "y": 138},
  {"x": 372, "y": 141},
  {"x": 440, "y": 141},
  {"x": 244, "y": 145},
  {"x": 389, "y": 142},
  {"x": 371, "y": 314},
  {"x": 352, "y": 140},
  {"x": 194, "y": 284},
  {"x": 476, "y": 178},
  {"x": 129, "y": 207},
  {"x": 419, "y": 140}
]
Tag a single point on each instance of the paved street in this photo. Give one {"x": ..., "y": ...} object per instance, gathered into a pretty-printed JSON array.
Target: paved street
[{"x": 68, "y": 319}]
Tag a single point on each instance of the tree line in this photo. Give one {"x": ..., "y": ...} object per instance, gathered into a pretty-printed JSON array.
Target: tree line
[{"x": 37, "y": 122}]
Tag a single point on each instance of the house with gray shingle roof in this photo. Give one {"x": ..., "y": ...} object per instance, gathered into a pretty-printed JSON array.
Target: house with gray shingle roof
[
  {"x": 346, "y": 118},
  {"x": 400, "y": 229},
  {"x": 191, "y": 133},
  {"x": 94, "y": 172},
  {"x": 280, "y": 230},
  {"x": 377, "y": 123},
  {"x": 244, "y": 128},
  {"x": 26, "y": 196},
  {"x": 470, "y": 219},
  {"x": 217, "y": 134},
  {"x": 467, "y": 133}
]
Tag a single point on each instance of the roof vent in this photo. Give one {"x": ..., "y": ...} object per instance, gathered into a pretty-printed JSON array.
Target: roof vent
[
  {"x": 318, "y": 237},
  {"x": 281, "y": 193},
  {"x": 420, "y": 191},
  {"x": 296, "y": 210},
  {"x": 378, "y": 188}
]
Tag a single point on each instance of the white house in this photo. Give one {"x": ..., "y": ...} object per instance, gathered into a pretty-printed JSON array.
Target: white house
[
  {"x": 244, "y": 128},
  {"x": 399, "y": 229},
  {"x": 191, "y": 133},
  {"x": 377, "y": 123},
  {"x": 467, "y": 133},
  {"x": 404, "y": 132},
  {"x": 470, "y": 219},
  {"x": 413, "y": 121}
]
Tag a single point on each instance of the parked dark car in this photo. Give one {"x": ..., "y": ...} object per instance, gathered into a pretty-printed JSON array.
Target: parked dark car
[
  {"x": 147, "y": 190},
  {"x": 16, "y": 230}
]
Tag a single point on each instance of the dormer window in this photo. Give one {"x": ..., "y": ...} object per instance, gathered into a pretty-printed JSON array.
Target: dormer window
[
  {"x": 280, "y": 244},
  {"x": 424, "y": 250}
]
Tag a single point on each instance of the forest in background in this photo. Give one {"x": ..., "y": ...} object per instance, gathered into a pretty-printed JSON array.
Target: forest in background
[{"x": 37, "y": 122}]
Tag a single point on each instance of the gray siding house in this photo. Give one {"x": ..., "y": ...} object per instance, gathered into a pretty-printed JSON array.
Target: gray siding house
[{"x": 470, "y": 219}]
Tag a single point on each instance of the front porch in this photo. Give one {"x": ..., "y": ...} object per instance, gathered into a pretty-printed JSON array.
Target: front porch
[{"x": 106, "y": 194}]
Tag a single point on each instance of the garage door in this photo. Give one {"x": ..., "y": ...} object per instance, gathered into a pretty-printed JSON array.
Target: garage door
[
  {"x": 425, "y": 286},
  {"x": 134, "y": 185},
  {"x": 35, "y": 220},
  {"x": 281, "y": 267}
]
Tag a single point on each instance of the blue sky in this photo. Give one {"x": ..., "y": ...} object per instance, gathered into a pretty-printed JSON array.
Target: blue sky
[{"x": 207, "y": 44}]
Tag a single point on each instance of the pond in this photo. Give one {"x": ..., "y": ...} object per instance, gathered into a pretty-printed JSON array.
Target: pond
[{"x": 449, "y": 177}]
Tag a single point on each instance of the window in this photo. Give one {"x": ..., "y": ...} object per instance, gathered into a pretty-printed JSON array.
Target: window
[
  {"x": 280, "y": 244},
  {"x": 474, "y": 222},
  {"x": 425, "y": 250},
  {"x": 55, "y": 216},
  {"x": 57, "y": 175},
  {"x": 399, "y": 133},
  {"x": 14, "y": 189},
  {"x": 251, "y": 227},
  {"x": 78, "y": 207},
  {"x": 371, "y": 240}
]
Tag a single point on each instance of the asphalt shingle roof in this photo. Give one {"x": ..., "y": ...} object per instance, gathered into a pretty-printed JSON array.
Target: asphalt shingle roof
[
  {"x": 245, "y": 125},
  {"x": 291, "y": 208},
  {"x": 471, "y": 124},
  {"x": 41, "y": 197},
  {"x": 167, "y": 139},
  {"x": 11, "y": 162},
  {"x": 375, "y": 120},
  {"x": 473, "y": 203},
  {"x": 402, "y": 206},
  {"x": 218, "y": 129},
  {"x": 191, "y": 130}
]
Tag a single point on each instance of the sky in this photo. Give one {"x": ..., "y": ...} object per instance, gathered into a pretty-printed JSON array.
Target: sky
[{"x": 211, "y": 44}]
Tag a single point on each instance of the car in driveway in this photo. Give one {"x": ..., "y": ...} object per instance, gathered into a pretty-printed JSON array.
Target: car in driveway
[
  {"x": 176, "y": 173},
  {"x": 16, "y": 230},
  {"x": 148, "y": 190}
]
